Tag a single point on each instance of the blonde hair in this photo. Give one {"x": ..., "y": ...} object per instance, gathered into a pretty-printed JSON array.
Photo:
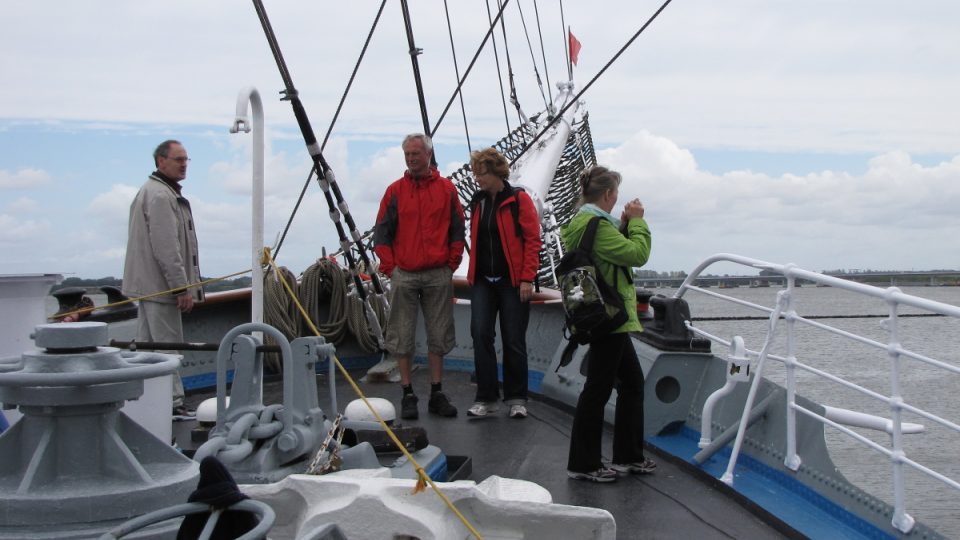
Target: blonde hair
[
  {"x": 595, "y": 181},
  {"x": 492, "y": 161}
]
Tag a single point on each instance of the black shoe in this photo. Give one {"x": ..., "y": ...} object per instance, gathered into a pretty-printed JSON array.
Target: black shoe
[
  {"x": 439, "y": 404},
  {"x": 408, "y": 407}
]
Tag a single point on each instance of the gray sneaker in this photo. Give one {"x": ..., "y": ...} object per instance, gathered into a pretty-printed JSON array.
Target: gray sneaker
[
  {"x": 602, "y": 475},
  {"x": 646, "y": 466}
]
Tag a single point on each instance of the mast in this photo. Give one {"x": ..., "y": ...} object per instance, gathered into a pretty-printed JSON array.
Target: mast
[
  {"x": 414, "y": 52},
  {"x": 328, "y": 183}
]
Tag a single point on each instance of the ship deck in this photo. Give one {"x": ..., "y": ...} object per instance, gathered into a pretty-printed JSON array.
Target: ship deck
[{"x": 675, "y": 501}]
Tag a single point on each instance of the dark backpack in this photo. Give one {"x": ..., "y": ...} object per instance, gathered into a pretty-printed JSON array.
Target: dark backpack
[{"x": 593, "y": 308}]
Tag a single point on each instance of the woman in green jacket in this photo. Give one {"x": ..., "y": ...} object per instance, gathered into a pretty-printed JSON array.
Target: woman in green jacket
[{"x": 620, "y": 243}]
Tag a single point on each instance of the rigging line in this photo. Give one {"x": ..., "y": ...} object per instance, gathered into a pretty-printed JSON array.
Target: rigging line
[
  {"x": 414, "y": 52},
  {"x": 456, "y": 70},
  {"x": 566, "y": 42},
  {"x": 864, "y": 316},
  {"x": 543, "y": 52},
  {"x": 470, "y": 68},
  {"x": 128, "y": 300},
  {"x": 296, "y": 207},
  {"x": 496, "y": 57},
  {"x": 593, "y": 80},
  {"x": 356, "y": 68},
  {"x": 510, "y": 77},
  {"x": 325, "y": 174},
  {"x": 533, "y": 59}
]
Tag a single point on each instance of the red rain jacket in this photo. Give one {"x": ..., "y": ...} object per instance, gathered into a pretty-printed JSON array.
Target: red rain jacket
[
  {"x": 420, "y": 225},
  {"x": 522, "y": 252}
]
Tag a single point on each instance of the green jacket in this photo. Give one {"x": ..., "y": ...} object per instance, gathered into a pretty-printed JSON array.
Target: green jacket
[{"x": 612, "y": 250}]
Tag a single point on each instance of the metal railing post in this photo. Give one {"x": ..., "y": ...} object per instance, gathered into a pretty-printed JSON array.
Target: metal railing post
[
  {"x": 901, "y": 519},
  {"x": 791, "y": 459}
]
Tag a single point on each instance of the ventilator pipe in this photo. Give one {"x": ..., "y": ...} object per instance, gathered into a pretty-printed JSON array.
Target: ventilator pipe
[
  {"x": 251, "y": 96},
  {"x": 731, "y": 432},
  {"x": 707, "y": 417},
  {"x": 735, "y": 374}
]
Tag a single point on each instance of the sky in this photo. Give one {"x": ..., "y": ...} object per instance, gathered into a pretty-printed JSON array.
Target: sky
[{"x": 820, "y": 133}]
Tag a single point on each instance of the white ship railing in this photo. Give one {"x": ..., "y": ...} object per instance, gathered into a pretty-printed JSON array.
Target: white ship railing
[{"x": 836, "y": 418}]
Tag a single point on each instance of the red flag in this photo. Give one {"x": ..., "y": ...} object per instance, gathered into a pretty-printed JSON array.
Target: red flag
[{"x": 574, "y": 48}]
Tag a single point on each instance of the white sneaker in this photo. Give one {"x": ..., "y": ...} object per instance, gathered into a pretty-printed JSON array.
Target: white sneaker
[
  {"x": 518, "y": 411},
  {"x": 481, "y": 409}
]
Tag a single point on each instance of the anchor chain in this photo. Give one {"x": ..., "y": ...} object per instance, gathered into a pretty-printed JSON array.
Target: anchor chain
[
  {"x": 238, "y": 442},
  {"x": 333, "y": 461}
]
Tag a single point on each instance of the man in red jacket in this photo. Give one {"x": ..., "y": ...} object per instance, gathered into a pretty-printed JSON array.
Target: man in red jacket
[{"x": 419, "y": 238}]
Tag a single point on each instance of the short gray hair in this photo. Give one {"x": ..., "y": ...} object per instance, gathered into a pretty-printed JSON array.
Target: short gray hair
[
  {"x": 163, "y": 150},
  {"x": 427, "y": 141}
]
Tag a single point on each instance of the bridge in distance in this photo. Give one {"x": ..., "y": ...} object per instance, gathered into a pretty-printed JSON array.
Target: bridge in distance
[{"x": 933, "y": 278}]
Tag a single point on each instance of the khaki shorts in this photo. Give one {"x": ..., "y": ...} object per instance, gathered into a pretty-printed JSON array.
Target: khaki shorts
[{"x": 432, "y": 291}]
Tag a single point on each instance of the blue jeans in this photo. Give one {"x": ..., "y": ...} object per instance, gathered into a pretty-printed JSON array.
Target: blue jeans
[{"x": 489, "y": 299}]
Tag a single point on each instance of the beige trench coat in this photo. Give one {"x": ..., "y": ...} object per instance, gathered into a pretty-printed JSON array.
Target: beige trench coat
[{"x": 162, "y": 251}]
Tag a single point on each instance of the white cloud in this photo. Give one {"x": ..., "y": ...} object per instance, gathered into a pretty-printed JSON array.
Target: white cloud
[
  {"x": 22, "y": 205},
  {"x": 23, "y": 178},
  {"x": 20, "y": 234},
  {"x": 114, "y": 202},
  {"x": 106, "y": 225},
  {"x": 384, "y": 167},
  {"x": 896, "y": 212},
  {"x": 835, "y": 79}
]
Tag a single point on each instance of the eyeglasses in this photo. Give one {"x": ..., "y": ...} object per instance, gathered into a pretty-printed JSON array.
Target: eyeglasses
[{"x": 180, "y": 160}]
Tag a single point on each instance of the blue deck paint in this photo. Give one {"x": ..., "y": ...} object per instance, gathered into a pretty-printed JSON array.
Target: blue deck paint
[
  {"x": 803, "y": 509},
  {"x": 437, "y": 471},
  {"x": 204, "y": 380}
]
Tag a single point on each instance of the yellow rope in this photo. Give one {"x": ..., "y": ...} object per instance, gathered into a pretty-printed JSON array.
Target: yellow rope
[
  {"x": 421, "y": 474},
  {"x": 153, "y": 295}
]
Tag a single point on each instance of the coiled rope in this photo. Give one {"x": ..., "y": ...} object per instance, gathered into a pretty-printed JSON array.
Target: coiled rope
[
  {"x": 324, "y": 284},
  {"x": 279, "y": 311}
]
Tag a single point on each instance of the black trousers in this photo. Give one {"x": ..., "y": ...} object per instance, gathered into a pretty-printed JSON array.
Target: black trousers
[{"x": 612, "y": 361}]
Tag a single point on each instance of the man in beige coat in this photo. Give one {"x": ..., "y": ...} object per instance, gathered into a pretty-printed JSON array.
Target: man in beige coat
[{"x": 162, "y": 254}]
